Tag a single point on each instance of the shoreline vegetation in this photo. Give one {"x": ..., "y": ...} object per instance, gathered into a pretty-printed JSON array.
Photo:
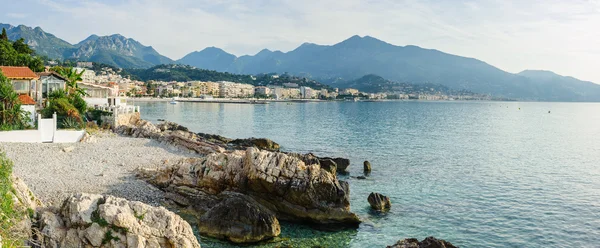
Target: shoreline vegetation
[{"x": 233, "y": 189}]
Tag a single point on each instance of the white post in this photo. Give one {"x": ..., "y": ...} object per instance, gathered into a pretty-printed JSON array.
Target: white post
[
  {"x": 54, "y": 127},
  {"x": 39, "y": 121}
]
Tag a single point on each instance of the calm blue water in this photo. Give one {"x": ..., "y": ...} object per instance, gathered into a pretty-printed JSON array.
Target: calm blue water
[{"x": 478, "y": 174}]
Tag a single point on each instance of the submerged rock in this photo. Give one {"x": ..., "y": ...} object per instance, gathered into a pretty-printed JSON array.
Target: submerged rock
[
  {"x": 367, "y": 167},
  {"x": 239, "y": 219},
  {"x": 86, "y": 220},
  {"x": 292, "y": 189},
  {"x": 429, "y": 242},
  {"x": 379, "y": 202}
]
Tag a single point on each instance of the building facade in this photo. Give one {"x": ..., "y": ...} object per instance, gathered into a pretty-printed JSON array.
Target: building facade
[{"x": 235, "y": 90}]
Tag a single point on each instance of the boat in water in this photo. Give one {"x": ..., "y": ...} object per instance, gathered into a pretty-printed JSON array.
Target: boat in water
[{"x": 173, "y": 101}]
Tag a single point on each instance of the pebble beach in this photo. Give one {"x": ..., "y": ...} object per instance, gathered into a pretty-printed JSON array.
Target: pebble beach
[{"x": 104, "y": 165}]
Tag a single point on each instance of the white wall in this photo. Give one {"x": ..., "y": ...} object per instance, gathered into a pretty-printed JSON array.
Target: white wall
[
  {"x": 61, "y": 136},
  {"x": 91, "y": 101},
  {"x": 21, "y": 136}
]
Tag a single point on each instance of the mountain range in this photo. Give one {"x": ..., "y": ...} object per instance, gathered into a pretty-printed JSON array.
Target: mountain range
[
  {"x": 115, "y": 50},
  {"x": 339, "y": 65}
]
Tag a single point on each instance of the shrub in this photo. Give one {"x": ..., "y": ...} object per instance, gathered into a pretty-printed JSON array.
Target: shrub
[{"x": 7, "y": 211}]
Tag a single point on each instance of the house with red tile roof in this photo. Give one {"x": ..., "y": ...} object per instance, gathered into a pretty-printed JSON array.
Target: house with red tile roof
[{"x": 23, "y": 79}]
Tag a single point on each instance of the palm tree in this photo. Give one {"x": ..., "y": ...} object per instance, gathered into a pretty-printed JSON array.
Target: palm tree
[{"x": 72, "y": 78}]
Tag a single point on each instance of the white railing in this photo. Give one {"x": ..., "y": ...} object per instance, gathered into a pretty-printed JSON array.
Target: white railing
[{"x": 120, "y": 109}]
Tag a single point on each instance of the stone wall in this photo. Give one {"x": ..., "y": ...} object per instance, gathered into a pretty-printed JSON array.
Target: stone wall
[{"x": 121, "y": 119}]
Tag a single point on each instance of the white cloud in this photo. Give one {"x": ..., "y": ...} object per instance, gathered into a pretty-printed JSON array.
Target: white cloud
[{"x": 511, "y": 34}]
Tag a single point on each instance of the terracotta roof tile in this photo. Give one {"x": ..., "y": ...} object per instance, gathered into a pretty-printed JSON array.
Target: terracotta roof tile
[
  {"x": 26, "y": 100},
  {"x": 18, "y": 72}
]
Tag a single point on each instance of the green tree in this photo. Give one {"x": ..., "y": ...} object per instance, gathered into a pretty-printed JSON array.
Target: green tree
[
  {"x": 4, "y": 36},
  {"x": 11, "y": 114},
  {"x": 19, "y": 54},
  {"x": 21, "y": 47}
]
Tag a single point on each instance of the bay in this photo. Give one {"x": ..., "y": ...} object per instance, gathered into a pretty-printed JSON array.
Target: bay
[{"x": 478, "y": 174}]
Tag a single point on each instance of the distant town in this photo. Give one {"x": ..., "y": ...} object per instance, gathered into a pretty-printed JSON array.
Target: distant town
[{"x": 116, "y": 85}]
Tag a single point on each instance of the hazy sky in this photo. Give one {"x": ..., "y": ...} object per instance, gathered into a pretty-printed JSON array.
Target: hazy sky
[{"x": 558, "y": 35}]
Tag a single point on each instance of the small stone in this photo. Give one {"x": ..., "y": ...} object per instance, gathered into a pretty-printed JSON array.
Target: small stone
[{"x": 68, "y": 149}]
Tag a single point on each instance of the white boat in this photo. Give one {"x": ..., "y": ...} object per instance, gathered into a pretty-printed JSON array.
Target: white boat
[{"x": 173, "y": 101}]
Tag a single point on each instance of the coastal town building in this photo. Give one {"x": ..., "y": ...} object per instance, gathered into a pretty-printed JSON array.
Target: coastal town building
[
  {"x": 23, "y": 80},
  {"x": 350, "y": 91},
  {"x": 307, "y": 92},
  {"x": 85, "y": 64},
  {"x": 199, "y": 88},
  {"x": 263, "y": 90},
  {"x": 235, "y": 90},
  {"x": 88, "y": 75},
  {"x": 290, "y": 85},
  {"x": 323, "y": 93}
]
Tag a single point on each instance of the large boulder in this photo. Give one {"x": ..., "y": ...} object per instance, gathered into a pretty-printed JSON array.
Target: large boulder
[
  {"x": 429, "y": 242},
  {"x": 86, "y": 220},
  {"x": 292, "y": 189},
  {"x": 239, "y": 219},
  {"x": 342, "y": 164},
  {"x": 379, "y": 202}
]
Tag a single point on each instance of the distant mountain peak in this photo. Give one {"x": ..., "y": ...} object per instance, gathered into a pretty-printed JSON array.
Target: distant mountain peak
[
  {"x": 264, "y": 52},
  {"x": 118, "y": 36},
  {"x": 211, "y": 50},
  {"x": 362, "y": 42}
]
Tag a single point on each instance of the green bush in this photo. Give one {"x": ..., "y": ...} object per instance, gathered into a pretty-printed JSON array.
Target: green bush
[{"x": 7, "y": 211}]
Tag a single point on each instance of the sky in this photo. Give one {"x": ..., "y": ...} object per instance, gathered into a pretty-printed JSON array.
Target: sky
[{"x": 562, "y": 36}]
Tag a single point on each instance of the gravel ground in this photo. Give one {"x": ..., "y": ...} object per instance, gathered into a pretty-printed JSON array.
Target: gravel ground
[{"x": 103, "y": 166}]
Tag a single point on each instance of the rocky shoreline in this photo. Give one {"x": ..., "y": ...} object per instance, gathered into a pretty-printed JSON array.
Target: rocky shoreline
[
  {"x": 277, "y": 185},
  {"x": 237, "y": 189}
]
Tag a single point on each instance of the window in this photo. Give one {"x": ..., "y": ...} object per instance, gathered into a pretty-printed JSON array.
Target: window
[{"x": 20, "y": 86}]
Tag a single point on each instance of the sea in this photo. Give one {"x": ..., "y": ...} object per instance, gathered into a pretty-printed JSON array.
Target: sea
[{"x": 477, "y": 174}]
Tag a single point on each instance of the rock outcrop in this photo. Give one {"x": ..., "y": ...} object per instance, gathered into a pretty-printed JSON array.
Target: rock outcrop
[
  {"x": 429, "y": 242},
  {"x": 284, "y": 184},
  {"x": 379, "y": 202},
  {"x": 179, "y": 136},
  {"x": 239, "y": 219},
  {"x": 86, "y": 220}
]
